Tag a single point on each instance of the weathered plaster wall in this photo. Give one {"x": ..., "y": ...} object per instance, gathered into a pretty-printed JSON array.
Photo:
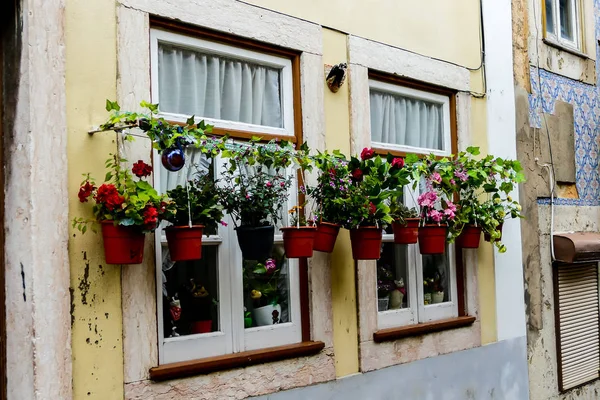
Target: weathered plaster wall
[{"x": 35, "y": 220}]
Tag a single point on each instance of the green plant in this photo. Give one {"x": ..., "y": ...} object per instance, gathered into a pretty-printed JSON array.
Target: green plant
[
  {"x": 196, "y": 203},
  {"x": 400, "y": 212},
  {"x": 261, "y": 281},
  {"x": 123, "y": 199}
]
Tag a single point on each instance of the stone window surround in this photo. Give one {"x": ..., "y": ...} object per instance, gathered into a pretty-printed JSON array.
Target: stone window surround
[
  {"x": 553, "y": 57},
  {"x": 365, "y": 55},
  {"x": 138, "y": 283}
]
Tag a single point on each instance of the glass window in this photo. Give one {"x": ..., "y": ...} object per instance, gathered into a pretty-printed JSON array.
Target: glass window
[
  {"x": 563, "y": 25},
  {"x": 411, "y": 120}
]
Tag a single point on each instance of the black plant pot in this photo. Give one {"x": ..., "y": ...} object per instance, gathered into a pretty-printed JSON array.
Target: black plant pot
[{"x": 256, "y": 242}]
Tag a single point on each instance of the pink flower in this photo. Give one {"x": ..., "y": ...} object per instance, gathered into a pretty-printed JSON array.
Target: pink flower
[
  {"x": 435, "y": 215},
  {"x": 435, "y": 177},
  {"x": 449, "y": 213},
  {"x": 450, "y": 206},
  {"x": 452, "y": 181},
  {"x": 427, "y": 199},
  {"x": 269, "y": 184},
  {"x": 462, "y": 175},
  {"x": 223, "y": 223},
  {"x": 270, "y": 266},
  {"x": 248, "y": 195}
]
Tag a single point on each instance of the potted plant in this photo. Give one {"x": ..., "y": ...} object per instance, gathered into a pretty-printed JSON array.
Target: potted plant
[
  {"x": 385, "y": 285},
  {"x": 170, "y": 139},
  {"x": 196, "y": 207},
  {"x": 366, "y": 206},
  {"x": 299, "y": 238},
  {"x": 125, "y": 207},
  {"x": 201, "y": 306},
  {"x": 406, "y": 222},
  {"x": 253, "y": 189},
  {"x": 437, "y": 290},
  {"x": 332, "y": 183},
  {"x": 427, "y": 291},
  {"x": 261, "y": 281}
]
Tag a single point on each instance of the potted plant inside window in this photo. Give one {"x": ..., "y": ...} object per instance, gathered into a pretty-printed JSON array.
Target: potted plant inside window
[
  {"x": 253, "y": 189},
  {"x": 332, "y": 184},
  {"x": 437, "y": 210},
  {"x": 169, "y": 139},
  {"x": 125, "y": 207},
  {"x": 261, "y": 281},
  {"x": 366, "y": 207},
  {"x": 385, "y": 285},
  {"x": 197, "y": 208},
  {"x": 200, "y": 306}
]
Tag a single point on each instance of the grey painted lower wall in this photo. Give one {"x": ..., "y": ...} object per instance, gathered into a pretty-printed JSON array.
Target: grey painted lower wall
[{"x": 496, "y": 371}]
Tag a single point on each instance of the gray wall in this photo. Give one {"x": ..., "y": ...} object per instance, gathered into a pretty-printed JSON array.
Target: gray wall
[{"x": 496, "y": 371}]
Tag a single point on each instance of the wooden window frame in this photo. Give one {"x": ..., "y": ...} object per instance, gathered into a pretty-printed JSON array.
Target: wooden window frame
[{"x": 305, "y": 346}]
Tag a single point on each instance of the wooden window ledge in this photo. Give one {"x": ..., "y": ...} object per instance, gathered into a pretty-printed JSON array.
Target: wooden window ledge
[
  {"x": 219, "y": 363},
  {"x": 388, "y": 334}
]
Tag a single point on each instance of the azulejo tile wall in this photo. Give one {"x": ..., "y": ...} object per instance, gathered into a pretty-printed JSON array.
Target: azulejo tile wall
[{"x": 546, "y": 89}]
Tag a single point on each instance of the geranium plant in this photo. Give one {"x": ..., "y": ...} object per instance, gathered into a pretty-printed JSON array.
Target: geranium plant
[{"x": 123, "y": 199}]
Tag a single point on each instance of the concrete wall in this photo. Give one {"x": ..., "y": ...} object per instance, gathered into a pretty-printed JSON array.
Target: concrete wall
[
  {"x": 495, "y": 371},
  {"x": 553, "y": 98}
]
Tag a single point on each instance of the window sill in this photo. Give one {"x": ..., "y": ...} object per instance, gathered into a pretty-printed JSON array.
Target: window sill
[
  {"x": 567, "y": 49},
  {"x": 389, "y": 334},
  {"x": 237, "y": 360}
]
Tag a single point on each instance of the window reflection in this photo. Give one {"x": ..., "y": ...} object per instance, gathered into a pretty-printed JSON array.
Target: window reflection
[{"x": 436, "y": 278}]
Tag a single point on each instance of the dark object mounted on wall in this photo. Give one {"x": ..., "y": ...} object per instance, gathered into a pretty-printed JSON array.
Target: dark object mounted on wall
[{"x": 336, "y": 77}]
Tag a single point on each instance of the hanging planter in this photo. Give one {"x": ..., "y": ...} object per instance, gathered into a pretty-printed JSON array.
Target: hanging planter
[
  {"x": 256, "y": 242},
  {"x": 366, "y": 242},
  {"x": 406, "y": 233},
  {"x": 122, "y": 244},
  {"x": 488, "y": 238},
  {"x": 469, "y": 237},
  {"x": 185, "y": 242},
  {"x": 326, "y": 236},
  {"x": 298, "y": 242},
  {"x": 432, "y": 239}
]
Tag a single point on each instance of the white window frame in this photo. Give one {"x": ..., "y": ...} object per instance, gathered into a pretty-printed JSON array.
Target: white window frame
[
  {"x": 419, "y": 95},
  {"x": 417, "y": 311},
  {"x": 556, "y": 35},
  {"x": 232, "y": 337},
  {"x": 220, "y": 49}
]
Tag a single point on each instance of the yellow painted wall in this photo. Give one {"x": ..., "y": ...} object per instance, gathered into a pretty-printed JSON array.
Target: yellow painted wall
[
  {"x": 443, "y": 29},
  {"x": 343, "y": 277},
  {"x": 96, "y": 288}
]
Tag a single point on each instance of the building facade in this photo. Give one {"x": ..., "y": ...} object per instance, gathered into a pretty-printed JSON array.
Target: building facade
[
  {"x": 556, "y": 91},
  {"x": 106, "y": 329}
]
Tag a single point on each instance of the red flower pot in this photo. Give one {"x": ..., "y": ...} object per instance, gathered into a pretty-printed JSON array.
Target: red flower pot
[
  {"x": 185, "y": 243},
  {"x": 298, "y": 242},
  {"x": 487, "y": 237},
  {"x": 202, "y": 326},
  {"x": 326, "y": 236},
  {"x": 366, "y": 242},
  {"x": 406, "y": 233},
  {"x": 432, "y": 239},
  {"x": 469, "y": 237},
  {"x": 122, "y": 244}
]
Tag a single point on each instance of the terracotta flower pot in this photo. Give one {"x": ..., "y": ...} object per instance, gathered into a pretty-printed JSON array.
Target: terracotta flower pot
[
  {"x": 407, "y": 233},
  {"x": 298, "y": 242},
  {"x": 366, "y": 242},
  {"x": 469, "y": 237},
  {"x": 185, "y": 243},
  {"x": 487, "y": 237},
  {"x": 326, "y": 236},
  {"x": 256, "y": 242},
  {"x": 202, "y": 326},
  {"x": 432, "y": 239},
  {"x": 122, "y": 244}
]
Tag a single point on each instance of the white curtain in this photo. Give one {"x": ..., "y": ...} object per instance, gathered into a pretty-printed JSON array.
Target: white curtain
[
  {"x": 405, "y": 121},
  {"x": 211, "y": 86}
]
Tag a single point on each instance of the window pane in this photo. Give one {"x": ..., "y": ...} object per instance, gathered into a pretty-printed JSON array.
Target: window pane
[
  {"x": 212, "y": 86},
  {"x": 190, "y": 294},
  {"x": 436, "y": 278},
  {"x": 550, "y": 17},
  {"x": 266, "y": 290},
  {"x": 567, "y": 14},
  {"x": 392, "y": 278},
  {"x": 401, "y": 120}
]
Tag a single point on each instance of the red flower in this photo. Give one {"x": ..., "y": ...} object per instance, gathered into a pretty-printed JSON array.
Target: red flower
[
  {"x": 108, "y": 196},
  {"x": 398, "y": 162},
  {"x": 367, "y": 153},
  {"x": 357, "y": 174},
  {"x": 150, "y": 215},
  {"x": 85, "y": 191},
  {"x": 372, "y": 208},
  {"x": 141, "y": 169}
]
